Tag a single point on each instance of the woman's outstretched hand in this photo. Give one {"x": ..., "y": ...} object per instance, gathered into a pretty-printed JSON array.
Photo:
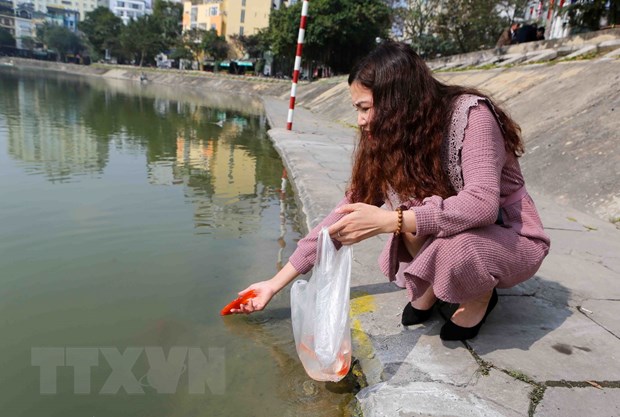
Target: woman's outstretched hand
[
  {"x": 264, "y": 293},
  {"x": 362, "y": 221}
]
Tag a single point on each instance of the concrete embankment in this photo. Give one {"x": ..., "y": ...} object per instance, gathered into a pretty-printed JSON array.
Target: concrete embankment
[
  {"x": 240, "y": 93},
  {"x": 568, "y": 112}
]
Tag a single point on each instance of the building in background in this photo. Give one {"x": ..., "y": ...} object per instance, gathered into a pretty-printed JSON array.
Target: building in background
[
  {"x": 246, "y": 17},
  {"x": 206, "y": 16},
  {"x": 7, "y": 17},
  {"x": 62, "y": 16},
  {"x": 228, "y": 17},
  {"x": 129, "y": 9},
  {"x": 24, "y": 25},
  {"x": 81, "y": 6}
]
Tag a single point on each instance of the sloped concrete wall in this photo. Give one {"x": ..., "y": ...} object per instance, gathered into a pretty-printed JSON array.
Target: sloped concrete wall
[
  {"x": 568, "y": 112},
  {"x": 570, "y": 120}
]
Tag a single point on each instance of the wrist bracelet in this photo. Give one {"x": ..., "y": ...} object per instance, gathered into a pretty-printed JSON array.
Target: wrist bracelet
[{"x": 399, "y": 225}]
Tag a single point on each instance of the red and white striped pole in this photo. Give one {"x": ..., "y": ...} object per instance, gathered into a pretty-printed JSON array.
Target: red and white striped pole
[{"x": 297, "y": 67}]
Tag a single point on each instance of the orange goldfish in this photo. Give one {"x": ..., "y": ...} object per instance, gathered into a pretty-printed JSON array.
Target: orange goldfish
[{"x": 236, "y": 303}]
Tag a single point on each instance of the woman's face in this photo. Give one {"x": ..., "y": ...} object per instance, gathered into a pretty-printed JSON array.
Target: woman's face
[{"x": 362, "y": 101}]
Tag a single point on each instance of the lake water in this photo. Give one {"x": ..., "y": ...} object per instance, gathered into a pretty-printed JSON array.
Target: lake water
[{"x": 130, "y": 214}]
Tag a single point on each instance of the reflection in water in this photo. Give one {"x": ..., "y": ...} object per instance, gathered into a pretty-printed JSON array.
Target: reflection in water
[
  {"x": 211, "y": 153},
  {"x": 130, "y": 220},
  {"x": 54, "y": 140}
]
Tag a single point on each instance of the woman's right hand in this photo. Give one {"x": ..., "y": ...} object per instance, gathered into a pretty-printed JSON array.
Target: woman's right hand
[{"x": 264, "y": 293}]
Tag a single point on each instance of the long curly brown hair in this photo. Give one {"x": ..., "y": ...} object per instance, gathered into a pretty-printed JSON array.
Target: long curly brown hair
[{"x": 401, "y": 148}]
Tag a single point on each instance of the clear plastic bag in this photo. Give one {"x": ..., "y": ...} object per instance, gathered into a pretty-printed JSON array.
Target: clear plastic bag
[{"x": 320, "y": 313}]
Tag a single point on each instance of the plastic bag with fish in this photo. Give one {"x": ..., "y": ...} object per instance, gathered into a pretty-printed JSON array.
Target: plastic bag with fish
[{"x": 320, "y": 313}]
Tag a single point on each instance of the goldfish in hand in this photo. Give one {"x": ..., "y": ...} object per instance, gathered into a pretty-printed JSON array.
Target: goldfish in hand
[{"x": 236, "y": 303}]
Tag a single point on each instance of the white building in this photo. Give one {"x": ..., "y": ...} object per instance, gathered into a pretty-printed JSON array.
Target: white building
[
  {"x": 24, "y": 29},
  {"x": 130, "y": 9},
  {"x": 82, "y": 6}
]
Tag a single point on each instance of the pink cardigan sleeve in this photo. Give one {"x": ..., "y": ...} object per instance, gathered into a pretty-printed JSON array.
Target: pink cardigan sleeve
[
  {"x": 305, "y": 255},
  {"x": 482, "y": 158}
]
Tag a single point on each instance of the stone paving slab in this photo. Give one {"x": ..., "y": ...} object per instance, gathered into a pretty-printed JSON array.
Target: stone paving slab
[
  {"x": 564, "y": 402},
  {"x": 605, "y": 313},
  {"x": 487, "y": 396},
  {"x": 547, "y": 342},
  {"x": 417, "y": 354},
  {"x": 504, "y": 390}
]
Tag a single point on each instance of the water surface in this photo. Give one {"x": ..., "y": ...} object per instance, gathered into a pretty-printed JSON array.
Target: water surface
[{"x": 130, "y": 215}]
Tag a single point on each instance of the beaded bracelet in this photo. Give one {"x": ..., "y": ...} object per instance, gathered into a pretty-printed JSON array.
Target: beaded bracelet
[{"x": 400, "y": 221}]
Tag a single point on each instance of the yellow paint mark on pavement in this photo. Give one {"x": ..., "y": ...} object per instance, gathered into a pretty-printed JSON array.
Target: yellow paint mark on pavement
[{"x": 361, "y": 302}]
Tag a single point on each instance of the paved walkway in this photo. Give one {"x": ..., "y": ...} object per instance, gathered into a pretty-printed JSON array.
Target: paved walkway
[{"x": 550, "y": 348}]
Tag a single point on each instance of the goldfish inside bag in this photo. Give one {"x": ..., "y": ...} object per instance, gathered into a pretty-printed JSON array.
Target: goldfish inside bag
[{"x": 320, "y": 313}]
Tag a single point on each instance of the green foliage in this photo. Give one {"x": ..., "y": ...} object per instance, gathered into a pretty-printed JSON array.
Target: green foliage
[
  {"x": 60, "y": 39},
  {"x": 282, "y": 31},
  {"x": 586, "y": 16},
  {"x": 189, "y": 46},
  {"x": 417, "y": 20},
  {"x": 253, "y": 46},
  {"x": 338, "y": 33},
  {"x": 469, "y": 25},
  {"x": 512, "y": 9},
  {"x": 6, "y": 39},
  {"x": 181, "y": 52},
  {"x": 140, "y": 38},
  {"x": 444, "y": 27},
  {"x": 103, "y": 30},
  {"x": 196, "y": 44},
  {"x": 214, "y": 45},
  {"x": 168, "y": 16}
]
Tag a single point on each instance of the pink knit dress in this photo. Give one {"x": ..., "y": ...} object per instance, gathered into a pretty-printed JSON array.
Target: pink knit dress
[{"x": 467, "y": 253}]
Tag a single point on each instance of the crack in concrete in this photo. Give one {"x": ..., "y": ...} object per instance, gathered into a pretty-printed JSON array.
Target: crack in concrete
[
  {"x": 538, "y": 389},
  {"x": 582, "y": 384},
  {"x": 565, "y": 230},
  {"x": 583, "y": 311}
]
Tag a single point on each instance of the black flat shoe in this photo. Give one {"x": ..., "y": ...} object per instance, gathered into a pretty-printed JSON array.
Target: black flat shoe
[
  {"x": 451, "y": 331},
  {"x": 412, "y": 315}
]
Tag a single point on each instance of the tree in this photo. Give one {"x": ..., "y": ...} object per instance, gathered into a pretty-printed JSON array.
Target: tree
[
  {"x": 189, "y": 46},
  {"x": 253, "y": 45},
  {"x": 509, "y": 9},
  {"x": 214, "y": 45},
  {"x": 281, "y": 33},
  {"x": 586, "y": 15},
  {"x": 103, "y": 29},
  {"x": 417, "y": 19},
  {"x": 60, "y": 39},
  {"x": 140, "y": 38},
  {"x": 469, "y": 25},
  {"x": 6, "y": 39},
  {"x": 168, "y": 16},
  {"x": 339, "y": 31}
]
